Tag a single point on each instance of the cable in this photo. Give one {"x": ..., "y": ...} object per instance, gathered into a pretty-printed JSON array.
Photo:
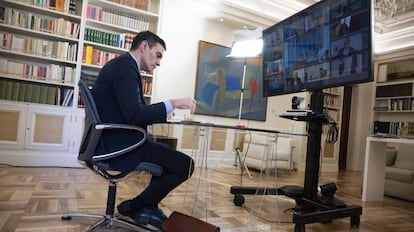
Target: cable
[{"x": 332, "y": 133}]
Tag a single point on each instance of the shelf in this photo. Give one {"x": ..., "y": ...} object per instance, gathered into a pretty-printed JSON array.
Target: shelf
[
  {"x": 34, "y": 33},
  {"x": 40, "y": 10},
  {"x": 107, "y": 47},
  {"x": 126, "y": 9},
  {"x": 21, "y": 78},
  {"x": 392, "y": 111},
  {"x": 36, "y": 57}
]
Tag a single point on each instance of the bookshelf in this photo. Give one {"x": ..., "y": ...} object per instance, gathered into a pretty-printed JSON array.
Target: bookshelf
[
  {"x": 110, "y": 27},
  {"x": 333, "y": 100},
  {"x": 45, "y": 48},
  {"x": 393, "y": 111}
]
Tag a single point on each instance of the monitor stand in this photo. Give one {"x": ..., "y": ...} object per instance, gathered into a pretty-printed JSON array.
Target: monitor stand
[{"x": 311, "y": 207}]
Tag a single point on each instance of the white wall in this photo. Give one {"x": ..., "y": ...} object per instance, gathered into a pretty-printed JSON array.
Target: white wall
[
  {"x": 359, "y": 125},
  {"x": 182, "y": 27}
]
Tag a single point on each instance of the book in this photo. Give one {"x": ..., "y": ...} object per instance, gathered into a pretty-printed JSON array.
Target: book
[
  {"x": 15, "y": 91},
  {"x": 60, "y": 4},
  {"x": 88, "y": 55},
  {"x": 52, "y": 4},
  {"x": 43, "y": 94},
  {"x": 9, "y": 88},
  {"x": 51, "y": 95},
  {"x": 35, "y": 94},
  {"x": 72, "y": 6},
  {"x": 68, "y": 94},
  {"x": 22, "y": 91},
  {"x": 28, "y": 94},
  {"x": 3, "y": 85}
]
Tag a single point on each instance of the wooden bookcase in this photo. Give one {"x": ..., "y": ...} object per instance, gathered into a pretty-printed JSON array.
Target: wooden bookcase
[
  {"x": 393, "y": 112},
  {"x": 46, "y": 48}
]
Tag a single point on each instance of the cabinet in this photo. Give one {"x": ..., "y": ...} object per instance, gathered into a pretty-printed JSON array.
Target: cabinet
[
  {"x": 393, "y": 112},
  {"x": 45, "y": 48},
  {"x": 31, "y": 130}
]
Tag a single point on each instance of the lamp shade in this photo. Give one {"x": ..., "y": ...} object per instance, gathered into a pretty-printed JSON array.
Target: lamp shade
[{"x": 246, "y": 49}]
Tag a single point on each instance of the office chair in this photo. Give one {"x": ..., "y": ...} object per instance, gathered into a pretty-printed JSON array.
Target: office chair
[{"x": 96, "y": 162}]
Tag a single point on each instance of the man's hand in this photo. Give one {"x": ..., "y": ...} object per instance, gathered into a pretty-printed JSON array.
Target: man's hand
[{"x": 184, "y": 103}]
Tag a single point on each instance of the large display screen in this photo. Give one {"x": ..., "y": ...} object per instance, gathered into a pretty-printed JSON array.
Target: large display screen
[{"x": 326, "y": 45}]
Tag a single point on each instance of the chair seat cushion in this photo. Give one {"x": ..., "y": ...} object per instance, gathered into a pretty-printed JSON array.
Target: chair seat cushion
[{"x": 152, "y": 168}]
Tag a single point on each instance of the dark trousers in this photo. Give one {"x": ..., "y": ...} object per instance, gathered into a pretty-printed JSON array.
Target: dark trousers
[{"x": 177, "y": 168}]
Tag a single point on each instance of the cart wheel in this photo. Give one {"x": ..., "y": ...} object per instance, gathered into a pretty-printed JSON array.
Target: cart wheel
[
  {"x": 65, "y": 217},
  {"x": 355, "y": 220},
  {"x": 238, "y": 199},
  {"x": 299, "y": 227}
]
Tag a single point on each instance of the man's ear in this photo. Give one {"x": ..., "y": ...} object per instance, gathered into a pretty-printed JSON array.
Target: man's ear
[{"x": 143, "y": 45}]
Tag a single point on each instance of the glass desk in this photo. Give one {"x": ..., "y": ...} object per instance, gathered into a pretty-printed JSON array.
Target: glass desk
[{"x": 264, "y": 183}]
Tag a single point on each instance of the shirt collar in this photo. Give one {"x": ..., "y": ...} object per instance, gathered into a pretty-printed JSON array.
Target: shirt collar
[{"x": 133, "y": 57}]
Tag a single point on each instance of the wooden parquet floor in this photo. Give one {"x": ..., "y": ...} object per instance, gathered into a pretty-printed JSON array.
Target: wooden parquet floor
[{"x": 32, "y": 199}]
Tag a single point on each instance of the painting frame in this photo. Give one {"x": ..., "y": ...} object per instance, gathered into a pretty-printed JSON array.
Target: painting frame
[{"x": 219, "y": 84}]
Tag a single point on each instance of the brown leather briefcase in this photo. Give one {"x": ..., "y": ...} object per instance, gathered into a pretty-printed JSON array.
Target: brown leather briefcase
[{"x": 179, "y": 222}]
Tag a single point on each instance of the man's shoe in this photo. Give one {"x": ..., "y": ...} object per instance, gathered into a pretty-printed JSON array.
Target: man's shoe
[
  {"x": 153, "y": 216},
  {"x": 126, "y": 209}
]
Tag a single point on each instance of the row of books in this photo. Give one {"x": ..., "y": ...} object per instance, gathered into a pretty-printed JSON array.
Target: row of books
[
  {"x": 35, "y": 93},
  {"x": 39, "y": 47},
  {"x": 402, "y": 104},
  {"x": 91, "y": 55},
  {"x": 66, "y": 6},
  {"x": 398, "y": 104},
  {"x": 50, "y": 72},
  {"x": 23, "y": 19},
  {"x": 89, "y": 77},
  {"x": 402, "y": 128},
  {"x": 331, "y": 101},
  {"x": 138, "y": 4},
  {"x": 117, "y": 18},
  {"x": 119, "y": 40},
  {"x": 335, "y": 90},
  {"x": 146, "y": 86}
]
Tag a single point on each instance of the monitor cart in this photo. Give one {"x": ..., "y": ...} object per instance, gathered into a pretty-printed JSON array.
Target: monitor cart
[{"x": 310, "y": 205}]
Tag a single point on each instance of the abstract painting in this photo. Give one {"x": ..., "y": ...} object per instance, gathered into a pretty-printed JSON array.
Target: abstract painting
[{"x": 219, "y": 84}]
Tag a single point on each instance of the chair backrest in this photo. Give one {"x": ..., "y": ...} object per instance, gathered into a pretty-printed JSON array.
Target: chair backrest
[{"x": 91, "y": 136}]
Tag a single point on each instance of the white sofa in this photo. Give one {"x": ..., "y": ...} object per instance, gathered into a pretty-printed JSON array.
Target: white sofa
[
  {"x": 253, "y": 151},
  {"x": 399, "y": 172}
]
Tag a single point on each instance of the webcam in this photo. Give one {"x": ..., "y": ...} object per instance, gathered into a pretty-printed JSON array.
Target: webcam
[{"x": 298, "y": 103}]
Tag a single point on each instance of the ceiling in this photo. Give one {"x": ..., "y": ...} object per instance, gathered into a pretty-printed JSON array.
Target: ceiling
[{"x": 393, "y": 26}]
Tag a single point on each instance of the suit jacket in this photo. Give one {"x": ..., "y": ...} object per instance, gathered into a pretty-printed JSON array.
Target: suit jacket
[{"x": 119, "y": 99}]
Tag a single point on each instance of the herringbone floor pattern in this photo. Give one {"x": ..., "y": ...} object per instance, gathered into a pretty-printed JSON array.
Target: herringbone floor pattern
[{"x": 32, "y": 199}]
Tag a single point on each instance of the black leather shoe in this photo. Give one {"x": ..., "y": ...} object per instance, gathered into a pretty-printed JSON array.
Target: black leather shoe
[
  {"x": 153, "y": 216},
  {"x": 125, "y": 208}
]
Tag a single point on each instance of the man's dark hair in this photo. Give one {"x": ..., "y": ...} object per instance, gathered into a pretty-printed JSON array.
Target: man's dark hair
[{"x": 151, "y": 38}]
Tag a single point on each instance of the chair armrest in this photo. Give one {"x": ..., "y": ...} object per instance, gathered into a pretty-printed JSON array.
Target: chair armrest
[{"x": 106, "y": 126}]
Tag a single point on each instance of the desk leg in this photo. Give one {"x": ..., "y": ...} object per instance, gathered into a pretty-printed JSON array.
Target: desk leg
[{"x": 374, "y": 171}]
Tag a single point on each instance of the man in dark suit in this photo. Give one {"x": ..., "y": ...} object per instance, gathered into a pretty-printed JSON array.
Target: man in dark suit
[{"x": 119, "y": 98}]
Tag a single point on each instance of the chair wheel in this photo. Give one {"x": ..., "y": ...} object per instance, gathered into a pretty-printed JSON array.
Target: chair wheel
[
  {"x": 355, "y": 220},
  {"x": 65, "y": 217},
  {"x": 238, "y": 199},
  {"x": 299, "y": 227}
]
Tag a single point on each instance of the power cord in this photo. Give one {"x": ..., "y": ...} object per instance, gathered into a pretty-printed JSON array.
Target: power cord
[{"x": 332, "y": 133}]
